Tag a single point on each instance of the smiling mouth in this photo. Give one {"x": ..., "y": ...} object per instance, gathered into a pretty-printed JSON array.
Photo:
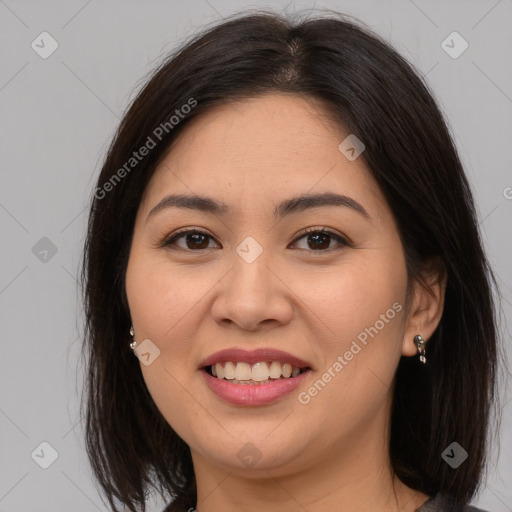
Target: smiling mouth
[{"x": 263, "y": 372}]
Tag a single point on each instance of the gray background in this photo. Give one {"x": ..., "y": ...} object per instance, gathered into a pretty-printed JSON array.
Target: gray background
[{"x": 58, "y": 116}]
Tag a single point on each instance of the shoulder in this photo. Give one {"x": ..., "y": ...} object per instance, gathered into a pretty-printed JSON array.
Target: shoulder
[{"x": 444, "y": 503}]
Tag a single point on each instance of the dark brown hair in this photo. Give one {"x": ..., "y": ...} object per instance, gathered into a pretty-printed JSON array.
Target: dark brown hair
[{"x": 374, "y": 93}]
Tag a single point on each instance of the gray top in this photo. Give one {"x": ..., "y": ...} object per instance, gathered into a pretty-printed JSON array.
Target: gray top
[{"x": 442, "y": 503}]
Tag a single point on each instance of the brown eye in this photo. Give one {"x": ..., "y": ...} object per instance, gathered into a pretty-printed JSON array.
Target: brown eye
[
  {"x": 319, "y": 240},
  {"x": 194, "y": 240}
]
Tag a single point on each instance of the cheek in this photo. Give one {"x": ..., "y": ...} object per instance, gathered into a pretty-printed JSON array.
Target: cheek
[
  {"x": 354, "y": 296},
  {"x": 162, "y": 300},
  {"x": 161, "y": 296},
  {"x": 361, "y": 310}
]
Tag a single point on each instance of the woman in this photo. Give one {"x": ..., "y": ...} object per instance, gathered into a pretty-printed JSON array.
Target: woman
[{"x": 283, "y": 235}]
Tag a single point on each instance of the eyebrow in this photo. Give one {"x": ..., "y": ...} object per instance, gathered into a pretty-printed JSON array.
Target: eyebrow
[{"x": 287, "y": 207}]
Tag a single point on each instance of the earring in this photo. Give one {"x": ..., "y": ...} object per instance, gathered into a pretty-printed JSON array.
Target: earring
[
  {"x": 133, "y": 343},
  {"x": 420, "y": 343}
]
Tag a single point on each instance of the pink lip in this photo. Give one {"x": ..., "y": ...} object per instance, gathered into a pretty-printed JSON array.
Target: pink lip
[
  {"x": 253, "y": 394},
  {"x": 253, "y": 356}
]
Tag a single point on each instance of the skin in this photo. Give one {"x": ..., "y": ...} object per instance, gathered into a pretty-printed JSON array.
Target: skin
[{"x": 192, "y": 302}]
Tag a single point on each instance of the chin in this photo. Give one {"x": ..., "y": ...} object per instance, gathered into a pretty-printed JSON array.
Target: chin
[{"x": 252, "y": 455}]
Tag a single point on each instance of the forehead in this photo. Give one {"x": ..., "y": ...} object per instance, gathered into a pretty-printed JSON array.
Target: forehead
[{"x": 269, "y": 147}]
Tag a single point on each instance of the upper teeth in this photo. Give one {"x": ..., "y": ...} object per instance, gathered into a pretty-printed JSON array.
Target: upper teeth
[{"x": 257, "y": 371}]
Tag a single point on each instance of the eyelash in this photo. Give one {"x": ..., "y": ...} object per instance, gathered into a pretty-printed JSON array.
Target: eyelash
[{"x": 170, "y": 241}]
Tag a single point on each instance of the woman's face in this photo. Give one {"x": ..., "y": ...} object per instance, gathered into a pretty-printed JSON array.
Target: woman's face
[{"x": 254, "y": 282}]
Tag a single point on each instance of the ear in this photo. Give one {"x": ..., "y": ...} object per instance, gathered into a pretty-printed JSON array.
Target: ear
[{"x": 426, "y": 305}]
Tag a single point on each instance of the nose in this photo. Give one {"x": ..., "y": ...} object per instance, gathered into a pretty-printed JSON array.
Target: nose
[{"x": 253, "y": 296}]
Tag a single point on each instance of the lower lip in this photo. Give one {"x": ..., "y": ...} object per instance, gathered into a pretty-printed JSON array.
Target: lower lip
[{"x": 253, "y": 394}]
